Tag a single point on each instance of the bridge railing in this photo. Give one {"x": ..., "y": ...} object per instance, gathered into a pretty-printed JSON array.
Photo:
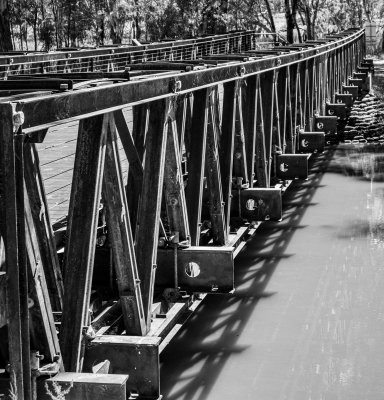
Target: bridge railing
[
  {"x": 210, "y": 153},
  {"x": 117, "y": 57}
]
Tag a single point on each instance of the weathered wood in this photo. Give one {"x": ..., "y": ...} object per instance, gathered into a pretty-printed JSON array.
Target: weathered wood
[
  {"x": 80, "y": 248},
  {"x": 3, "y": 284},
  {"x": 23, "y": 268},
  {"x": 183, "y": 120},
  {"x": 9, "y": 232},
  {"x": 227, "y": 145},
  {"x": 137, "y": 357},
  {"x": 267, "y": 86},
  {"x": 212, "y": 171},
  {"x": 150, "y": 204},
  {"x": 300, "y": 94},
  {"x": 139, "y": 133},
  {"x": 289, "y": 128},
  {"x": 85, "y": 386},
  {"x": 278, "y": 98},
  {"x": 174, "y": 182},
  {"x": 96, "y": 100},
  {"x": 282, "y": 101},
  {"x": 134, "y": 159},
  {"x": 240, "y": 154},
  {"x": 250, "y": 113},
  {"x": 119, "y": 229},
  {"x": 196, "y": 163},
  {"x": 261, "y": 163},
  {"x": 43, "y": 331},
  {"x": 43, "y": 227}
]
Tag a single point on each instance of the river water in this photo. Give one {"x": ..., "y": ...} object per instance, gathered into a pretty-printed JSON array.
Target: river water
[{"x": 307, "y": 319}]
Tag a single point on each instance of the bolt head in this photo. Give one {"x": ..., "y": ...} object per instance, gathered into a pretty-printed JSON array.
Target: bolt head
[{"x": 18, "y": 118}]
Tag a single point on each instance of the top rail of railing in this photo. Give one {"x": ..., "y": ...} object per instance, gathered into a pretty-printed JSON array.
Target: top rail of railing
[
  {"x": 101, "y": 58},
  {"x": 42, "y": 111}
]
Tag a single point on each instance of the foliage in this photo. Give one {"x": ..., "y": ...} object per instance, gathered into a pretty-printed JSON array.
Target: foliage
[{"x": 52, "y": 24}]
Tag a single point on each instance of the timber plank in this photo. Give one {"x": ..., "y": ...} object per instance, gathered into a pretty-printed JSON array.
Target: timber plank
[
  {"x": 250, "y": 113},
  {"x": 267, "y": 86},
  {"x": 196, "y": 163},
  {"x": 22, "y": 261},
  {"x": 139, "y": 133},
  {"x": 174, "y": 183},
  {"x": 227, "y": 144},
  {"x": 43, "y": 330},
  {"x": 240, "y": 168},
  {"x": 147, "y": 230},
  {"x": 85, "y": 386},
  {"x": 80, "y": 248},
  {"x": 9, "y": 232},
  {"x": 43, "y": 227},
  {"x": 119, "y": 228},
  {"x": 212, "y": 171},
  {"x": 261, "y": 162}
]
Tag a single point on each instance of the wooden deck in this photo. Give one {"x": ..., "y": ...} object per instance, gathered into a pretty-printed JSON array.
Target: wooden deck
[{"x": 57, "y": 157}]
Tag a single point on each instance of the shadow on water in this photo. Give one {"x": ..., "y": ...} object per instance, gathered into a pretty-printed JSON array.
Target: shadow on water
[
  {"x": 364, "y": 162},
  {"x": 193, "y": 361}
]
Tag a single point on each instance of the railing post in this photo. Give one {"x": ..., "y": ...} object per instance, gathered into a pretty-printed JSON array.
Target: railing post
[{"x": 10, "y": 233}]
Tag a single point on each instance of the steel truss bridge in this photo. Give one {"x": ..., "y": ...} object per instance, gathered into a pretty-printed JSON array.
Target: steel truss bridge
[{"x": 221, "y": 126}]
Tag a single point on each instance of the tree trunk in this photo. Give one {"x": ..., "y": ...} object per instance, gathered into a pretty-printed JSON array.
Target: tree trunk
[
  {"x": 270, "y": 16},
  {"x": 5, "y": 27},
  {"x": 290, "y": 16},
  {"x": 308, "y": 23}
]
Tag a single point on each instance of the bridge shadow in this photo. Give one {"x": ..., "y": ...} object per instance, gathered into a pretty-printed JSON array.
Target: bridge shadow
[{"x": 194, "y": 360}]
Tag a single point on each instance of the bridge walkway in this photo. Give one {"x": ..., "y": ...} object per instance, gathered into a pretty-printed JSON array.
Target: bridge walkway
[{"x": 306, "y": 321}]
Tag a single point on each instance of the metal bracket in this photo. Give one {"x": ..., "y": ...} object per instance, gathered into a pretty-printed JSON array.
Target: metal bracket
[
  {"x": 326, "y": 124},
  {"x": 311, "y": 142},
  {"x": 291, "y": 166},
  {"x": 336, "y": 110},
  {"x": 356, "y": 82},
  {"x": 259, "y": 204},
  {"x": 135, "y": 356},
  {"x": 17, "y": 118},
  {"x": 200, "y": 269},
  {"x": 344, "y": 98},
  {"x": 353, "y": 90},
  {"x": 364, "y": 77}
]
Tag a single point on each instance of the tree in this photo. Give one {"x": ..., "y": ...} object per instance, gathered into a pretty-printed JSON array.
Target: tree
[
  {"x": 309, "y": 12},
  {"x": 122, "y": 12},
  {"x": 5, "y": 27},
  {"x": 291, "y": 7}
]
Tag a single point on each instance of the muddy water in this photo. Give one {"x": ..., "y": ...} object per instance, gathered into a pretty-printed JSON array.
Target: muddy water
[{"x": 307, "y": 319}]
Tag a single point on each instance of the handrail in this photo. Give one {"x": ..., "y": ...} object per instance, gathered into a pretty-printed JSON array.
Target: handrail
[
  {"x": 49, "y": 109},
  {"x": 179, "y": 49}
]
